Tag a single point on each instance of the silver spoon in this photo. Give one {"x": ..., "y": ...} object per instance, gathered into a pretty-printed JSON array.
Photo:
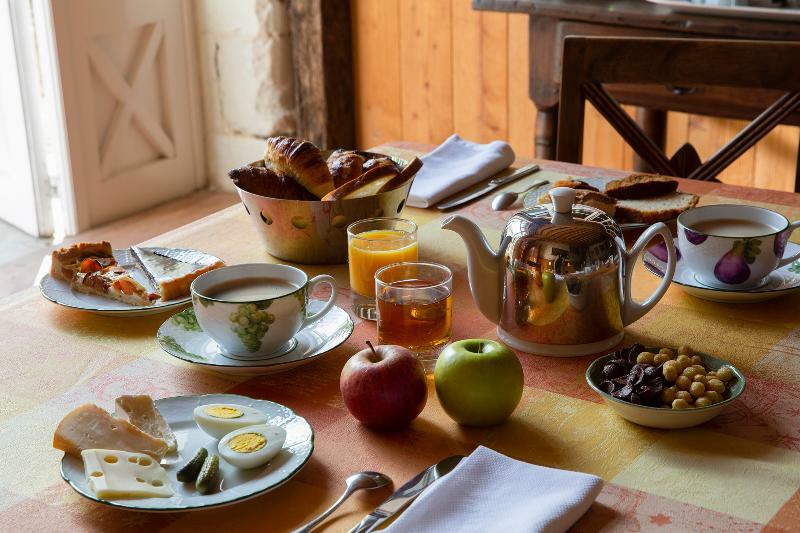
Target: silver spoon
[
  {"x": 506, "y": 199},
  {"x": 358, "y": 481}
]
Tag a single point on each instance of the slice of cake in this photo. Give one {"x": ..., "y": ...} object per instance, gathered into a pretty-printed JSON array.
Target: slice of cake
[
  {"x": 173, "y": 270},
  {"x": 658, "y": 209},
  {"x": 641, "y": 186}
]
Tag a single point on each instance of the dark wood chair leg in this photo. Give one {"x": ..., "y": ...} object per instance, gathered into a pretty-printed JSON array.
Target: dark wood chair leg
[
  {"x": 654, "y": 124},
  {"x": 546, "y": 131},
  {"x": 797, "y": 171}
]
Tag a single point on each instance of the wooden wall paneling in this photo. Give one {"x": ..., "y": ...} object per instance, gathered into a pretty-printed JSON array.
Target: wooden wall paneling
[
  {"x": 480, "y": 73},
  {"x": 521, "y": 111},
  {"x": 708, "y": 134},
  {"x": 426, "y": 68},
  {"x": 323, "y": 60},
  {"x": 376, "y": 71},
  {"x": 677, "y": 132},
  {"x": 602, "y": 145},
  {"x": 775, "y": 159}
]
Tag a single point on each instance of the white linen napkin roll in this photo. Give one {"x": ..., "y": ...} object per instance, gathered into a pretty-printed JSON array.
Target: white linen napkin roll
[
  {"x": 455, "y": 165},
  {"x": 488, "y": 491}
]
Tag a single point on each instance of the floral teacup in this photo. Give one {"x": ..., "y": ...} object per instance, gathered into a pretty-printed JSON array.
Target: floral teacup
[
  {"x": 734, "y": 246},
  {"x": 255, "y": 328}
]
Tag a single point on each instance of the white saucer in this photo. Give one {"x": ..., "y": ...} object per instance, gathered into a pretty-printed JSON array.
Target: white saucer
[
  {"x": 235, "y": 484},
  {"x": 181, "y": 337},
  {"x": 60, "y": 292},
  {"x": 780, "y": 282}
]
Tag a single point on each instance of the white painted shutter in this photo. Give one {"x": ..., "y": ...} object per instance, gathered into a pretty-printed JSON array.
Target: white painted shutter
[{"x": 131, "y": 104}]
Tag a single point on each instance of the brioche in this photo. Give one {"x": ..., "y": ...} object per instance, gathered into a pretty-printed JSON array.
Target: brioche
[
  {"x": 265, "y": 182},
  {"x": 380, "y": 162},
  {"x": 345, "y": 165},
  {"x": 658, "y": 209},
  {"x": 301, "y": 161},
  {"x": 641, "y": 186}
]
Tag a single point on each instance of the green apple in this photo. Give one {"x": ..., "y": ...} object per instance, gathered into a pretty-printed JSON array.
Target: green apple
[{"x": 478, "y": 381}]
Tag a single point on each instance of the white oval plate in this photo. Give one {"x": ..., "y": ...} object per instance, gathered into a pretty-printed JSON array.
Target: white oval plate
[
  {"x": 60, "y": 292},
  {"x": 182, "y": 337},
  {"x": 780, "y": 282},
  {"x": 235, "y": 484}
]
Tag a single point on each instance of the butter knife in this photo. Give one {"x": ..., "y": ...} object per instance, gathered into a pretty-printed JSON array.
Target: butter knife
[
  {"x": 491, "y": 185},
  {"x": 406, "y": 494}
]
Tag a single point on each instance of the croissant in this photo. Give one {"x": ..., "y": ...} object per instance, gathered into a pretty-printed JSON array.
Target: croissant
[
  {"x": 265, "y": 182},
  {"x": 345, "y": 165},
  {"x": 301, "y": 161}
]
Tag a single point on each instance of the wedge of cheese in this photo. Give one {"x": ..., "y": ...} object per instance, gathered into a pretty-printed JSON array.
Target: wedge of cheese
[
  {"x": 114, "y": 474},
  {"x": 140, "y": 411},
  {"x": 88, "y": 427}
]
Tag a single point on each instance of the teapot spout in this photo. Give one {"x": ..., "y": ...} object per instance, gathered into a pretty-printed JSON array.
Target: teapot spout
[{"x": 483, "y": 266}]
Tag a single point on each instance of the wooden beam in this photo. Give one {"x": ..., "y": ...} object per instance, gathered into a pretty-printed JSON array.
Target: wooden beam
[{"x": 323, "y": 72}]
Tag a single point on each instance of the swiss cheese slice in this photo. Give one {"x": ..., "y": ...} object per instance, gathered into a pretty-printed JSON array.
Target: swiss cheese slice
[
  {"x": 88, "y": 426},
  {"x": 140, "y": 411},
  {"x": 114, "y": 474}
]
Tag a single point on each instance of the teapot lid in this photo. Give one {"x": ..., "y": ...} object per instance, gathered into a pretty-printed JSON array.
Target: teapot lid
[
  {"x": 564, "y": 221},
  {"x": 582, "y": 233}
]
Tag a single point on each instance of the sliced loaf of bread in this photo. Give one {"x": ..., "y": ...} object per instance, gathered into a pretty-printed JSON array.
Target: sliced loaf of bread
[{"x": 656, "y": 209}]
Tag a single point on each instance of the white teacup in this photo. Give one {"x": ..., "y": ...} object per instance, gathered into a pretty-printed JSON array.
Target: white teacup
[
  {"x": 734, "y": 246},
  {"x": 255, "y": 310}
]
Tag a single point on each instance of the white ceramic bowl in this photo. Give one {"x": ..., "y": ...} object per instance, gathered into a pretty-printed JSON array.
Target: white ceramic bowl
[{"x": 661, "y": 417}]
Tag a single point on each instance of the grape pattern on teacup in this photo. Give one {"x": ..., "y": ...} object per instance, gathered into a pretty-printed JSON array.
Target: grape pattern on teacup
[{"x": 251, "y": 322}]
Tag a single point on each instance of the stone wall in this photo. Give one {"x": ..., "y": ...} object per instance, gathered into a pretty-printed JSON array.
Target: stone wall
[{"x": 244, "y": 51}]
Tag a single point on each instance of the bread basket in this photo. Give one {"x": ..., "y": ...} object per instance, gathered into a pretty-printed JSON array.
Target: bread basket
[{"x": 315, "y": 232}]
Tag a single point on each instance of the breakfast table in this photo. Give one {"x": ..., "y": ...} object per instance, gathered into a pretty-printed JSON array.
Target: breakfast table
[{"x": 739, "y": 472}]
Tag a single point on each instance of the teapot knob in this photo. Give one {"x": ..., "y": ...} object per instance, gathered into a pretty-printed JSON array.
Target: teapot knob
[{"x": 563, "y": 198}]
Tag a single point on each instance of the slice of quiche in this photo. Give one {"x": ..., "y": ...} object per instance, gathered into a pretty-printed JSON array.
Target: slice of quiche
[
  {"x": 86, "y": 256},
  {"x": 173, "y": 270},
  {"x": 113, "y": 282}
]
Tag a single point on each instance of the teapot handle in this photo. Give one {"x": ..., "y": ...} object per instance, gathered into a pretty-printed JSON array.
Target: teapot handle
[{"x": 633, "y": 310}]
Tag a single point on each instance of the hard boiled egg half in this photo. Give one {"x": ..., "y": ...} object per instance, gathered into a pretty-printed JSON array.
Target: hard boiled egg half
[
  {"x": 252, "y": 446},
  {"x": 219, "y": 419}
]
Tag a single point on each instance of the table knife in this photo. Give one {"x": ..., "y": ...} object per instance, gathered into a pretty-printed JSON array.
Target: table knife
[
  {"x": 491, "y": 185},
  {"x": 406, "y": 494}
]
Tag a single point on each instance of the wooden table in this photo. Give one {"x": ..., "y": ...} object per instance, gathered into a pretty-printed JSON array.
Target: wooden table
[
  {"x": 553, "y": 20},
  {"x": 738, "y": 473}
]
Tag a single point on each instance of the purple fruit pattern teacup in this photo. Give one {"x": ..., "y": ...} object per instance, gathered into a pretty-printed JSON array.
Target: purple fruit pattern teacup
[{"x": 734, "y": 246}]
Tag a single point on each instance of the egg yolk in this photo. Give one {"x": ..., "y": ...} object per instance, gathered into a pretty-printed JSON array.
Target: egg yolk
[
  {"x": 247, "y": 442},
  {"x": 224, "y": 412}
]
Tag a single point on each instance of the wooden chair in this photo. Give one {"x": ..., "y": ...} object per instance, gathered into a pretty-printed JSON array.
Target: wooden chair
[{"x": 590, "y": 62}]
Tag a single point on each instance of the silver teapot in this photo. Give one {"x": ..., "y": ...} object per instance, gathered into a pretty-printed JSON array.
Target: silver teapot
[{"x": 560, "y": 284}]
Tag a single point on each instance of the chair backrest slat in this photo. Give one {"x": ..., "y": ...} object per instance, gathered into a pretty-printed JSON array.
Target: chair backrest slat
[{"x": 590, "y": 62}]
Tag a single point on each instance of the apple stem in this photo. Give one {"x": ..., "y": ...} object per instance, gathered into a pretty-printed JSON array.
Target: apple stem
[{"x": 371, "y": 347}]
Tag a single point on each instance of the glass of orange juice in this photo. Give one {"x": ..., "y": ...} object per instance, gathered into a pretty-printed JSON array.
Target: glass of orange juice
[{"x": 373, "y": 243}]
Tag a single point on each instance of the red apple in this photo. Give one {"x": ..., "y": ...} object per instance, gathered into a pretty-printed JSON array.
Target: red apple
[{"x": 384, "y": 387}]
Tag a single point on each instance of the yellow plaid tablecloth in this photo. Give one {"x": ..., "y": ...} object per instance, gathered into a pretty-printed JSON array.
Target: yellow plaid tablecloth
[{"x": 740, "y": 472}]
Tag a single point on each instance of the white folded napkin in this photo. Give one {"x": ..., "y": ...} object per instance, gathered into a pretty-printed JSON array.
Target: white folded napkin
[
  {"x": 488, "y": 491},
  {"x": 454, "y": 166}
]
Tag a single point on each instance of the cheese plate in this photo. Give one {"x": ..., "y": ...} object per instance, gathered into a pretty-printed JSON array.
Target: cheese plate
[{"x": 234, "y": 484}]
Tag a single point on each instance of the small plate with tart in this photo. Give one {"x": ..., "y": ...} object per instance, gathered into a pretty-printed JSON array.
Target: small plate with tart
[{"x": 129, "y": 282}]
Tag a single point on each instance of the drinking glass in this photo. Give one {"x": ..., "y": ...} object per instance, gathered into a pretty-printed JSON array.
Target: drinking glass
[
  {"x": 415, "y": 307},
  {"x": 373, "y": 243}
]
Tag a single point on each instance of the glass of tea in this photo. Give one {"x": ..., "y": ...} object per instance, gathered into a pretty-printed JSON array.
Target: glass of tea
[
  {"x": 415, "y": 307},
  {"x": 373, "y": 243}
]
